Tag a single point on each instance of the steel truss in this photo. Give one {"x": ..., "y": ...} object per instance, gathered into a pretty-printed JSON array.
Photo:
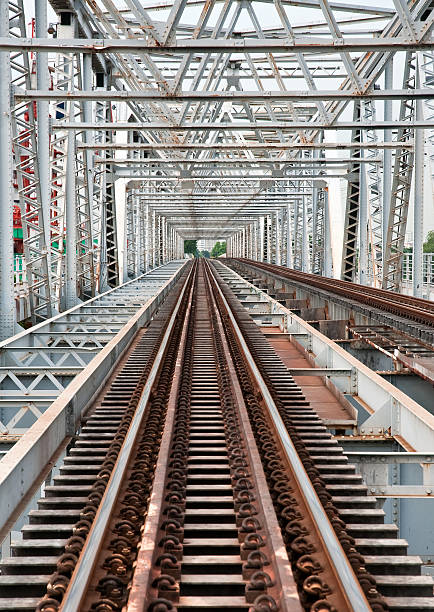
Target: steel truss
[{"x": 218, "y": 141}]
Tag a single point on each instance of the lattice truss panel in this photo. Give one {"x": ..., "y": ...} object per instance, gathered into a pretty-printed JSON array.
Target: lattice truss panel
[
  {"x": 38, "y": 365},
  {"x": 238, "y": 114}
]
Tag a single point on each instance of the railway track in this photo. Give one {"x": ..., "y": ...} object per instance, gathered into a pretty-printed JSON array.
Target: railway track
[
  {"x": 201, "y": 479},
  {"x": 412, "y": 308}
]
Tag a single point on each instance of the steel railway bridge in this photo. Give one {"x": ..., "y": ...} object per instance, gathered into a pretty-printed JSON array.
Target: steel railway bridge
[{"x": 253, "y": 432}]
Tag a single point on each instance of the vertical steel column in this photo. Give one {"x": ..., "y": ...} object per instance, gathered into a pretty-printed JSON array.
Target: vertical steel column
[
  {"x": 165, "y": 238},
  {"x": 161, "y": 237},
  {"x": 268, "y": 237},
  {"x": 166, "y": 241},
  {"x": 162, "y": 240},
  {"x": 363, "y": 226},
  {"x": 256, "y": 240},
  {"x": 128, "y": 242},
  {"x": 387, "y": 154},
  {"x": 328, "y": 260},
  {"x": 351, "y": 219},
  {"x": 314, "y": 223},
  {"x": 100, "y": 178},
  {"x": 138, "y": 231},
  {"x": 43, "y": 130},
  {"x": 156, "y": 240},
  {"x": 289, "y": 258},
  {"x": 141, "y": 216},
  {"x": 278, "y": 237},
  {"x": 159, "y": 241},
  {"x": 401, "y": 183},
  {"x": 298, "y": 209},
  {"x": 419, "y": 145},
  {"x": 7, "y": 298},
  {"x": 305, "y": 238},
  {"x": 261, "y": 238},
  {"x": 71, "y": 222},
  {"x": 88, "y": 137}
]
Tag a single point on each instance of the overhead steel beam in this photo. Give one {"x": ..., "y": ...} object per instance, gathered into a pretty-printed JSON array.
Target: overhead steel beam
[
  {"x": 234, "y": 162},
  {"x": 226, "y": 177},
  {"x": 265, "y": 146},
  {"x": 223, "y": 96},
  {"x": 213, "y": 45},
  {"x": 246, "y": 126}
]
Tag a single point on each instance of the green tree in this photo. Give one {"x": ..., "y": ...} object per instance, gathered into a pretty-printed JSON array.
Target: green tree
[
  {"x": 428, "y": 245},
  {"x": 218, "y": 249},
  {"x": 215, "y": 251},
  {"x": 190, "y": 247}
]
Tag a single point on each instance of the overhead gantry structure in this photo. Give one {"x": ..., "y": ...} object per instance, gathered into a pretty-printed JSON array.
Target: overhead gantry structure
[{"x": 128, "y": 126}]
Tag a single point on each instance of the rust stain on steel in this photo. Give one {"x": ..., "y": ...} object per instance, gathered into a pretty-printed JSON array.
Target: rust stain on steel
[
  {"x": 143, "y": 568},
  {"x": 289, "y": 592}
]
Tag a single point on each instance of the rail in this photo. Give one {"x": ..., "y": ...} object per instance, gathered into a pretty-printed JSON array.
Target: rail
[
  {"x": 32, "y": 455},
  {"x": 415, "y": 309},
  {"x": 343, "y": 570},
  {"x": 198, "y": 480},
  {"x": 77, "y": 588},
  {"x": 382, "y": 408}
]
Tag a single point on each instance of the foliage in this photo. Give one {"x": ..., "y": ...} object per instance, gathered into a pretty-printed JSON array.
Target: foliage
[
  {"x": 204, "y": 254},
  {"x": 218, "y": 249},
  {"x": 428, "y": 245},
  {"x": 190, "y": 246}
]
